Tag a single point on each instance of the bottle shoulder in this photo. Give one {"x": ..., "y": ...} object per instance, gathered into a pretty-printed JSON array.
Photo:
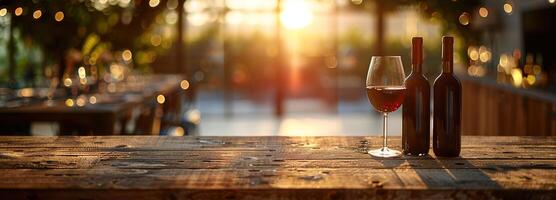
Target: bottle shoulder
[
  {"x": 447, "y": 77},
  {"x": 416, "y": 78}
]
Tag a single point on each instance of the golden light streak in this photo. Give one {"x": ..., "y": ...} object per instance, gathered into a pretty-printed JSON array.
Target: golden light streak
[{"x": 296, "y": 15}]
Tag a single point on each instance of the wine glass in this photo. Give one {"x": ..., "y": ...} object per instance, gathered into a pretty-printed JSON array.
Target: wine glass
[{"x": 386, "y": 92}]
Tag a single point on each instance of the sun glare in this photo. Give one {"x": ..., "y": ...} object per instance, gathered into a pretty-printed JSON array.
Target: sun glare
[{"x": 296, "y": 15}]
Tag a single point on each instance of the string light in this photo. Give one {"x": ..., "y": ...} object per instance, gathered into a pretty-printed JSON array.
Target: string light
[
  {"x": 59, "y": 16},
  {"x": 69, "y": 102},
  {"x": 508, "y": 8},
  {"x": 552, "y": 1},
  {"x": 160, "y": 99},
  {"x": 18, "y": 11},
  {"x": 81, "y": 72},
  {"x": 37, "y": 14},
  {"x": 464, "y": 19},
  {"x": 154, "y": 3},
  {"x": 68, "y": 82},
  {"x": 3, "y": 12},
  {"x": 483, "y": 12},
  {"x": 81, "y": 101},
  {"x": 93, "y": 100},
  {"x": 126, "y": 55}
]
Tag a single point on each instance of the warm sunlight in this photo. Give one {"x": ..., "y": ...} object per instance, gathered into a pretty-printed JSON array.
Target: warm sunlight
[{"x": 296, "y": 14}]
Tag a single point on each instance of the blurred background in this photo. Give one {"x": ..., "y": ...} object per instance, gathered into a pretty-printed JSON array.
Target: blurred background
[{"x": 263, "y": 67}]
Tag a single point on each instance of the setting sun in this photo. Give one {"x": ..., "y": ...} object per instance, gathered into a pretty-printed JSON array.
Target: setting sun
[{"x": 296, "y": 15}]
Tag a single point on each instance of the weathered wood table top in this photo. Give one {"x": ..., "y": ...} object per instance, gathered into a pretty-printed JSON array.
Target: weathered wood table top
[{"x": 143, "y": 167}]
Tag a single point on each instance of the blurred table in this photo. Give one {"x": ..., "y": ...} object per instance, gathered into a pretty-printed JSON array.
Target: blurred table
[
  {"x": 111, "y": 114},
  {"x": 150, "y": 167}
]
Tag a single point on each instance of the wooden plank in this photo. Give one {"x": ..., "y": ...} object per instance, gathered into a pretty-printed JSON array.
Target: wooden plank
[
  {"x": 270, "y": 167},
  {"x": 278, "y": 177},
  {"x": 125, "y": 142}
]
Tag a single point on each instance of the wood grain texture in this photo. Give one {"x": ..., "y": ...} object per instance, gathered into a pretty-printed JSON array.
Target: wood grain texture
[
  {"x": 491, "y": 108},
  {"x": 150, "y": 167}
]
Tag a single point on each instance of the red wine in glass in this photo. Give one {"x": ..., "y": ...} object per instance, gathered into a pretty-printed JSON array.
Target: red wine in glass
[{"x": 386, "y": 98}]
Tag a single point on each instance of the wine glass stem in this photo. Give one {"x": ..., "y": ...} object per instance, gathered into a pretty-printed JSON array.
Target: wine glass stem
[{"x": 384, "y": 129}]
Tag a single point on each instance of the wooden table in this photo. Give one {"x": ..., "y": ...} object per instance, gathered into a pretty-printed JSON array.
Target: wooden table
[{"x": 149, "y": 167}]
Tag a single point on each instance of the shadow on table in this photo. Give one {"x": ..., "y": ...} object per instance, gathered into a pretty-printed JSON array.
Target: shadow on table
[{"x": 455, "y": 173}]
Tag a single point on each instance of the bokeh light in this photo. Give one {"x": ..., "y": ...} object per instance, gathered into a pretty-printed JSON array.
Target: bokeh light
[
  {"x": 154, "y": 3},
  {"x": 59, "y": 16},
  {"x": 69, "y": 102},
  {"x": 92, "y": 99},
  {"x": 127, "y": 55},
  {"x": 483, "y": 12},
  {"x": 37, "y": 14},
  {"x": 508, "y": 8},
  {"x": 18, "y": 11},
  {"x": 464, "y": 18},
  {"x": 160, "y": 99}
]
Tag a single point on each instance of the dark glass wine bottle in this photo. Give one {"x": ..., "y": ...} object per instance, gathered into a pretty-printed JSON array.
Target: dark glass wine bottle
[
  {"x": 447, "y": 106},
  {"x": 416, "y": 107}
]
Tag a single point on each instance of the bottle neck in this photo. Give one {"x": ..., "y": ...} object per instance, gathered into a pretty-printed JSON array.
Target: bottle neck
[
  {"x": 417, "y": 54},
  {"x": 447, "y": 54},
  {"x": 447, "y": 66},
  {"x": 417, "y": 68}
]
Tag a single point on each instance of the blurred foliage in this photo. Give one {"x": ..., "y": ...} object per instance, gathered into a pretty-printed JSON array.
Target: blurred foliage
[
  {"x": 96, "y": 29},
  {"x": 87, "y": 26}
]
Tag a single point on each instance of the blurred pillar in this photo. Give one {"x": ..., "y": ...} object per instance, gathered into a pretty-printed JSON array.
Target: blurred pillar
[
  {"x": 11, "y": 55},
  {"x": 335, "y": 69},
  {"x": 228, "y": 93},
  {"x": 280, "y": 82},
  {"x": 379, "y": 10}
]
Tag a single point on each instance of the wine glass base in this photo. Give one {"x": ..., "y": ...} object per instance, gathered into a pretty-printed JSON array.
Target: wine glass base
[{"x": 385, "y": 152}]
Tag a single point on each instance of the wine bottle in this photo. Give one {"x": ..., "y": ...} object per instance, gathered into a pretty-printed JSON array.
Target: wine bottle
[
  {"x": 416, "y": 106},
  {"x": 447, "y": 106}
]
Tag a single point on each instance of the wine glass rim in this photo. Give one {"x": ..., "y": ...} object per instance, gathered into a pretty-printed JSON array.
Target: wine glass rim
[{"x": 386, "y": 57}]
